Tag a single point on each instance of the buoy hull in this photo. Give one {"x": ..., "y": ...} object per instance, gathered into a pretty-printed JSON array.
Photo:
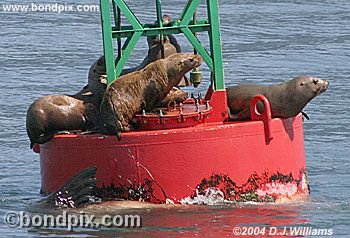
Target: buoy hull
[{"x": 180, "y": 164}]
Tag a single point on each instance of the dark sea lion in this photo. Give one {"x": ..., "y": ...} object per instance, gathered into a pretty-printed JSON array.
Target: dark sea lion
[
  {"x": 159, "y": 50},
  {"x": 287, "y": 99},
  {"x": 154, "y": 54},
  {"x": 97, "y": 83},
  {"x": 143, "y": 89},
  {"x": 153, "y": 40},
  {"x": 53, "y": 113}
]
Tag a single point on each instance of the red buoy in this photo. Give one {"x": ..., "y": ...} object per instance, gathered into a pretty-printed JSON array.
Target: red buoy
[{"x": 239, "y": 159}]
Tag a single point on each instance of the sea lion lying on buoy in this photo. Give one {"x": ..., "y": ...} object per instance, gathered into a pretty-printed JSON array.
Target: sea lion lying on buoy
[
  {"x": 53, "y": 113},
  {"x": 287, "y": 99},
  {"x": 143, "y": 89}
]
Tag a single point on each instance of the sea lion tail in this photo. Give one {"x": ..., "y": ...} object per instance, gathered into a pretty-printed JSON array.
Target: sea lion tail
[
  {"x": 43, "y": 138},
  {"x": 78, "y": 192}
]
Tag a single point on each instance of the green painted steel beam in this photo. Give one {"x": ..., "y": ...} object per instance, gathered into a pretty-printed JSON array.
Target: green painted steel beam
[
  {"x": 128, "y": 47},
  {"x": 215, "y": 43},
  {"x": 199, "y": 47},
  {"x": 130, "y": 16},
  {"x": 169, "y": 24},
  {"x": 107, "y": 39},
  {"x": 153, "y": 30},
  {"x": 188, "y": 12},
  {"x": 160, "y": 19}
]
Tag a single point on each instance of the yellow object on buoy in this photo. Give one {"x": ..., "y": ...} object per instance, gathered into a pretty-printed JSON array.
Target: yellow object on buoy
[{"x": 196, "y": 77}]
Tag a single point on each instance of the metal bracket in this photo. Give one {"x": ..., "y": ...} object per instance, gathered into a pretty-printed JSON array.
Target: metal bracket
[{"x": 265, "y": 116}]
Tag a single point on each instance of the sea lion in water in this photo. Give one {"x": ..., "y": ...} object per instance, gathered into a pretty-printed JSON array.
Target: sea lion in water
[
  {"x": 287, "y": 99},
  {"x": 143, "y": 90},
  {"x": 78, "y": 191},
  {"x": 53, "y": 113}
]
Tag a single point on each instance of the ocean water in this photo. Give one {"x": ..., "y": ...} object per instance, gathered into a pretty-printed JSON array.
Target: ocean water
[{"x": 264, "y": 41}]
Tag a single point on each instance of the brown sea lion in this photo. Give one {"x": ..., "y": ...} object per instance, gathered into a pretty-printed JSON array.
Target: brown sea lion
[
  {"x": 143, "y": 90},
  {"x": 53, "y": 113},
  {"x": 287, "y": 99}
]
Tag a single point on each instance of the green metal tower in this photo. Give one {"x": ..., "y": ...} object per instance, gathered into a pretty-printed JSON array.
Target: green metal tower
[{"x": 185, "y": 24}]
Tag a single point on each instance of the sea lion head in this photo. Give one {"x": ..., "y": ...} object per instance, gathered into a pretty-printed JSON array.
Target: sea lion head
[
  {"x": 97, "y": 72},
  {"x": 179, "y": 64},
  {"x": 301, "y": 90},
  {"x": 311, "y": 86},
  {"x": 97, "y": 83}
]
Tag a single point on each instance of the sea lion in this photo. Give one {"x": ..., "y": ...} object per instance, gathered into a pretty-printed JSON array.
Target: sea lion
[
  {"x": 97, "y": 83},
  {"x": 287, "y": 99},
  {"x": 153, "y": 40},
  {"x": 143, "y": 89},
  {"x": 53, "y": 113}
]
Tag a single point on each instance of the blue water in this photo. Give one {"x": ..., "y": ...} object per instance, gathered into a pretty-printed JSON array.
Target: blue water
[{"x": 265, "y": 41}]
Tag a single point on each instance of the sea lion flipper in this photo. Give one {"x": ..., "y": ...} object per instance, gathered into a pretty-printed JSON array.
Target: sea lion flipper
[
  {"x": 43, "y": 138},
  {"x": 77, "y": 192},
  {"x": 242, "y": 115}
]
